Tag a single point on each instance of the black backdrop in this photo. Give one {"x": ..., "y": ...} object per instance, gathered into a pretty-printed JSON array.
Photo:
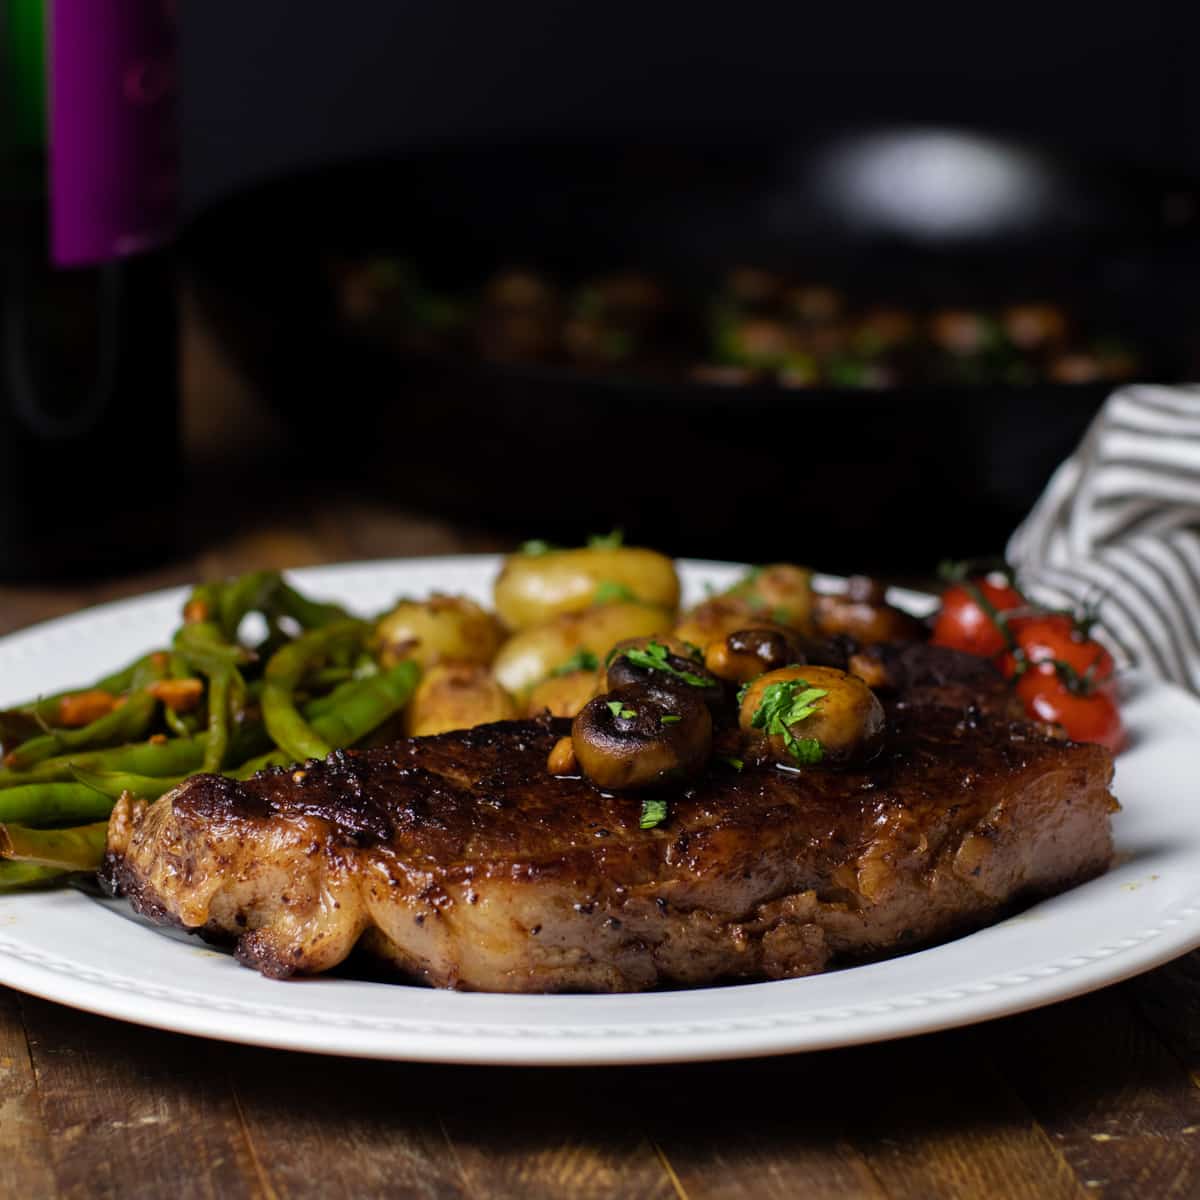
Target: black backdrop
[{"x": 271, "y": 85}]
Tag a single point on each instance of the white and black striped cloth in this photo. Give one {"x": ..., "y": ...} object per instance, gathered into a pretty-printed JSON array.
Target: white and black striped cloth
[{"x": 1119, "y": 524}]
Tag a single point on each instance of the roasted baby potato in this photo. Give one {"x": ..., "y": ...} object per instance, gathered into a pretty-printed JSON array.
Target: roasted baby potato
[
  {"x": 780, "y": 592},
  {"x": 457, "y": 696},
  {"x": 440, "y": 629},
  {"x": 778, "y": 595},
  {"x": 533, "y": 654},
  {"x": 532, "y": 588},
  {"x": 563, "y": 695}
]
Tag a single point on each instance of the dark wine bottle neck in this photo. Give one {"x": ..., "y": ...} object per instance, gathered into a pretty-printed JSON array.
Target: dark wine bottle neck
[{"x": 24, "y": 70}]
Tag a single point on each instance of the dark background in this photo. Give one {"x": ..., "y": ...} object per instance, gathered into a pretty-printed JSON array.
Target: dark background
[
  {"x": 273, "y": 85},
  {"x": 275, "y": 89}
]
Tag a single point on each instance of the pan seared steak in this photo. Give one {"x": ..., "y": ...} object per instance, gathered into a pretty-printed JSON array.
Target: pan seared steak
[{"x": 461, "y": 862}]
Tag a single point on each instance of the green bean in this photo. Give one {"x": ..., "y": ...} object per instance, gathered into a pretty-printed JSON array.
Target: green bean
[
  {"x": 17, "y": 875},
  {"x": 294, "y": 736},
  {"x": 177, "y": 723},
  {"x": 46, "y": 707},
  {"x": 372, "y": 702},
  {"x": 78, "y": 849},
  {"x": 203, "y": 647},
  {"x": 217, "y": 742},
  {"x": 320, "y": 705},
  {"x": 327, "y": 677},
  {"x": 114, "y": 784},
  {"x": 176, "y": 756},
  {"x": 203, "y": 602},
  {"x": 309, "y": 614},
  {"x": 53, "y": 804},
  {"x": 123, "y": 724},
  {"x": 252, "y": 592},
  {"x": 364, "y": 705}
]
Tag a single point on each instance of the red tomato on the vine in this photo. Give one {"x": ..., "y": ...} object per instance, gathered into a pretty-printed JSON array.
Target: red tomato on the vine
[
  {"x": 1085, "y": 717},
  {"x": 1058, "y": 637},
  {"x": 965, "y": 624}
]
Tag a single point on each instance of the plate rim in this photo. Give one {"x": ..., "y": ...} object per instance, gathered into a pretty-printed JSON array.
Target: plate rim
[{"x": 122, "y": 997}]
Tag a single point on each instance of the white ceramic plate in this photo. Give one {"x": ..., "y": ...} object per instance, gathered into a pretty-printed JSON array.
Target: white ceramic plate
[{"x": 68, "y": 947}]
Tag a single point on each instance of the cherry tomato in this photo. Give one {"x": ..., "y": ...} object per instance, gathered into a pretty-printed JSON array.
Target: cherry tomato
[
  {"x": 1056, "y": 637},
  {"x": 1085, "y": 718},
  {"x": 964, "y": 624}
]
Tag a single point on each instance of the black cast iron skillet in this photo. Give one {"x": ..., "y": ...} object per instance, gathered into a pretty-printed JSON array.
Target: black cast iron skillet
[{"x": 847, "y": 479}]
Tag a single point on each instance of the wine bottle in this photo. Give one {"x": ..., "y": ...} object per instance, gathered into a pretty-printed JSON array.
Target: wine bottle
[{"x": 88, "y": 329}]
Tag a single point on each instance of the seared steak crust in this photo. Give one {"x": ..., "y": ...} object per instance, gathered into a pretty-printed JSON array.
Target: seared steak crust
[{"x": 461, "y": 862}]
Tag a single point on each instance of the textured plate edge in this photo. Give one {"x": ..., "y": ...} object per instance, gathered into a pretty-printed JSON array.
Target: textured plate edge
[
  {"x": 574, "y": 1049},
  {"x": 566, "y": 1049}
]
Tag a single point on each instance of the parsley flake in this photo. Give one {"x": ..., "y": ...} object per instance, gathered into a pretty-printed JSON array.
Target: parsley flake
[
  {"x": 747, "y": 583},
  {"x": 786, "y": 704},
  {"x": 654, "y": 812},
  {"x": 609, "y": 591},
  {"x": 654, "y": 657},
  {"x": 618, "y": 709},
  {"x": 581, "y": 660},
  {"x": 536, "y": 547},
  {"x": 670, "y": 719},
  {"x": 607, "y": 541},
  {"x": 736, "y": 763}
]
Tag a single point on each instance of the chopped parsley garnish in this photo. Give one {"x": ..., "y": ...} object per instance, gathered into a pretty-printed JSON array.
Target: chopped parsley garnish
[
  {"x": 695, "y": 651},
  {"x": 581, "y": 660},
  {"x": 806, "y": 751},
  {"x": 670, "y": 719},
  {"x": 609, "y": 591},
  {"x": 736, "y": 763},
  {"x": 619, "y": 710},
  {"x": 607, "y": 541},
  {"x": 536, "y": 547},
  {"x": 654, "y": 812},
  {"x": 786, "y": 704},
  {"x": 654, "y": 657}
]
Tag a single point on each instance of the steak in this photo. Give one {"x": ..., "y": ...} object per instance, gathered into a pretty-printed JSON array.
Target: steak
[{"x": 461, "y": 862}]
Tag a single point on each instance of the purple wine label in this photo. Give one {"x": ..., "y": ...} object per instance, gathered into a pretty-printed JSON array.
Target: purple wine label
[{"x": 114, "y": 165}]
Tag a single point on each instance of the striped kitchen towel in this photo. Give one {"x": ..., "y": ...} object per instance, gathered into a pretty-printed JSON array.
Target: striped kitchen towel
[{"x": 1119, "y": 525}]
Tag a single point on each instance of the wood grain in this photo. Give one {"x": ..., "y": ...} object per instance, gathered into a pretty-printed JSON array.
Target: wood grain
[
  {"x": 774, "y": 1128},
  {"x": 1116, "y": 1102},
  {"x": 951, "y": 1127},
  {"x": 25, "y": 1165},
  {"x": 133, "y": 1112},
  {"x": 341, "y": 1127}
]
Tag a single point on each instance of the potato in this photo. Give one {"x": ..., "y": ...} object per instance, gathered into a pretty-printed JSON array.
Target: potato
[
  {"x": 532, "y": 588},
  {"x": 440, "y": 629},
  {"x": 564, "y": 695},
  {"x": 457, "y": 696},
  {"x": 776, "y": 595},
  {"x": 714, "y": 620},
  {"x": 530, "y": 656}
]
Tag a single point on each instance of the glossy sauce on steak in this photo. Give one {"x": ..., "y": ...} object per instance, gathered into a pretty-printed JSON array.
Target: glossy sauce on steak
[{"x": 461, "y": 862}]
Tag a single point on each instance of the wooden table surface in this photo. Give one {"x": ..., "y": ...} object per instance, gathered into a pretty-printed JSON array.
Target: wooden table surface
[{"x": 1095, "y": 1097}]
